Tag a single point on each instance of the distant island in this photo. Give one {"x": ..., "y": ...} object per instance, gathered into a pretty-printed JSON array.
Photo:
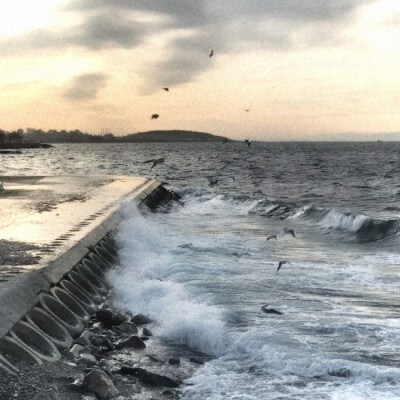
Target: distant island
[
  {"x": 36, "y": 137},
  {"x": 172, "y": 136}
]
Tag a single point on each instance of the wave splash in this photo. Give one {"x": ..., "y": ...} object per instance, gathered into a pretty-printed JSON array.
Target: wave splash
[
  {"x": 363, "y": 227},
  {"x": 143, "y": 285}
]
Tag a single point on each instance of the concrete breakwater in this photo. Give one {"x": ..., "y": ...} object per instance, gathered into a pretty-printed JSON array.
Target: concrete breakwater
[{"x": 63, "y": 225}]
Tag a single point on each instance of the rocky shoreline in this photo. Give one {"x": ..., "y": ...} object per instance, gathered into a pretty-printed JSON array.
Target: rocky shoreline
[{"x": 116, "y": 356}]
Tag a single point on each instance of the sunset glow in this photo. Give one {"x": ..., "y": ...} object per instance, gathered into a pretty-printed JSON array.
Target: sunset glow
[{"x": 303, "y": 71}]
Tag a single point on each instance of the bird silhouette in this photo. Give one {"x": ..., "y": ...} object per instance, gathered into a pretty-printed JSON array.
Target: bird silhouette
[
  {"x": 211, "y": 54},
  {"x": 154, "y": 116},
  {"x": 270, "y": 310},
  {"x": 247, "y": 109},
  {"x": 289, "y": 231},
  {"x": 281, "y": 263},
  {"x": 155, "y": 161},
  {"x": 166, "y": 89},
  {"x": 271, "y": 237}
]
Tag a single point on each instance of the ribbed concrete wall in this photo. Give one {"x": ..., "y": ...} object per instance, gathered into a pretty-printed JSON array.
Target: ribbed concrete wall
[{"x": 44, "y": 310}]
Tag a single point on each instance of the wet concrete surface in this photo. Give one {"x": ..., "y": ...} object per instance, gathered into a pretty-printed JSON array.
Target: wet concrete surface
[{"x": 40, "y": 216}]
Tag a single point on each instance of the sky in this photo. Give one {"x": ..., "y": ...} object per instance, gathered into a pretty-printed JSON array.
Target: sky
[{"x": 304, "y": 69}]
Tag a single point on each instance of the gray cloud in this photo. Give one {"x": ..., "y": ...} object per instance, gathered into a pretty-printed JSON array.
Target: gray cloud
[
  {"x": 227, "y": 27},
  {"x": 231, "y": 27},
  {"x": 85, "y": 86},
  {"x": 96, "y": 32}
]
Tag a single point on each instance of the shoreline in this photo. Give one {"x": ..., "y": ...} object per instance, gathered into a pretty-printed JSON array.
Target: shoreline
[{"x": 18, "y": 146}]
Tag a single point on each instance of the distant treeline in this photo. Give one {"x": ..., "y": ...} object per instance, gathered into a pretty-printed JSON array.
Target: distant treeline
[{"x": 76, "y": 136}]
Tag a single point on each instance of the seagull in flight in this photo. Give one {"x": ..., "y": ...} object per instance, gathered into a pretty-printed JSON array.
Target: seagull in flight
[
  {"x": 211, "y": 54},
  {"x": 154, "y": 116},
  {"x": 289, "y": 231},
  {"x": 271, "y": 237},
  {"x": 281, "y": 263},
  {"x": 166, "y": 89},
  {"x": 247, "y": 109},
  {"x": 155, "y": 161}
]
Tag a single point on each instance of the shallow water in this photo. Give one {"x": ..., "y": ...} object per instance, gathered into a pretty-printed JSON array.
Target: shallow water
[{"x": 205, "y": 269}]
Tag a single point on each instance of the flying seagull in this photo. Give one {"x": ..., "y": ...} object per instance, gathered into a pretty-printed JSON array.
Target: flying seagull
[
  {"x": 281, "y": 263},
  {"x": 154, "y": 116},
  {"x": 247, "y": 109},
  {"x": 155, "y": 161},
  {"x": 166, "y": 89},
  {"x": 270, "y": 310},
  {"x": 211, "y": 54},
  {"x": 271, "y": 237},
  {"x": 288, "y": 230}
]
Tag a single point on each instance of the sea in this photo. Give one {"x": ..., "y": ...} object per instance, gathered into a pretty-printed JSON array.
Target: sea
[{"x": 326, "y": 325}]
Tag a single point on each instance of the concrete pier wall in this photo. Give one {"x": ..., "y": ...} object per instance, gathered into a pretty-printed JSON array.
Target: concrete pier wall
[{"x": 49, "y": 301}]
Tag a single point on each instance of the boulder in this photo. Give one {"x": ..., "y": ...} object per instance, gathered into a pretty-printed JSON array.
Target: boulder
[
  {"x": 74, "y": 351},
  {"x": 127, "y": 327},
  {"x": 84, "y": 339},
  {"x": 140, "y": 319},
  {"x": 147, "y": 332},
  {"x": 110, "y": 318},
  {"x": 105, "y": 316},
  {"x": 133, "y": 342},
  {"x": 99, "y": 383},
  {"x": 87, "y": 359},
  {"x": 149, "y": 378}
]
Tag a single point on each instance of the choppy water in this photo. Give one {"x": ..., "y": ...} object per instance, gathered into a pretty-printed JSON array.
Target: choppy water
[{"x": 205, "y": 269}]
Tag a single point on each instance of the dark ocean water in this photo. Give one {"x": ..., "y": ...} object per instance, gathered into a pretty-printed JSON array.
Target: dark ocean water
[{"x": 204, "y": 269}]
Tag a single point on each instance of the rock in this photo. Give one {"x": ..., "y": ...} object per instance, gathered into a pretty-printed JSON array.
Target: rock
[
  {"x": 74, "y": 352},
  {"x": 133, "y": 342},
  {"x": 51, "y": 393},
  {"x": 127, "y": 327},
  {"x": 174, "y": 361},
  {"x": 84, "y": 339},
  {"x": 118, "y": 319},
  {"x": 140, "y": 319},
  {"x": 97, "y": 340},
  {"x": 87, "y": 359},
  {"x": 110, "y": 318},
  {"x": 147, "y": 332},
  {"x": 103, "y": 341},
  {"x": 149, "y": 378},
  {"x": 144, "y": 338},
  {"x": 105, "y": 316},
  {"x": 99, "y": 383},
  {"x": 109, "y": 344},
  {"x": 97, "y": 327}
]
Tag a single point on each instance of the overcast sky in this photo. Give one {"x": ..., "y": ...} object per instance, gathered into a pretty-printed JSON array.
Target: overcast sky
[{"x": 303, "y": 68}]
